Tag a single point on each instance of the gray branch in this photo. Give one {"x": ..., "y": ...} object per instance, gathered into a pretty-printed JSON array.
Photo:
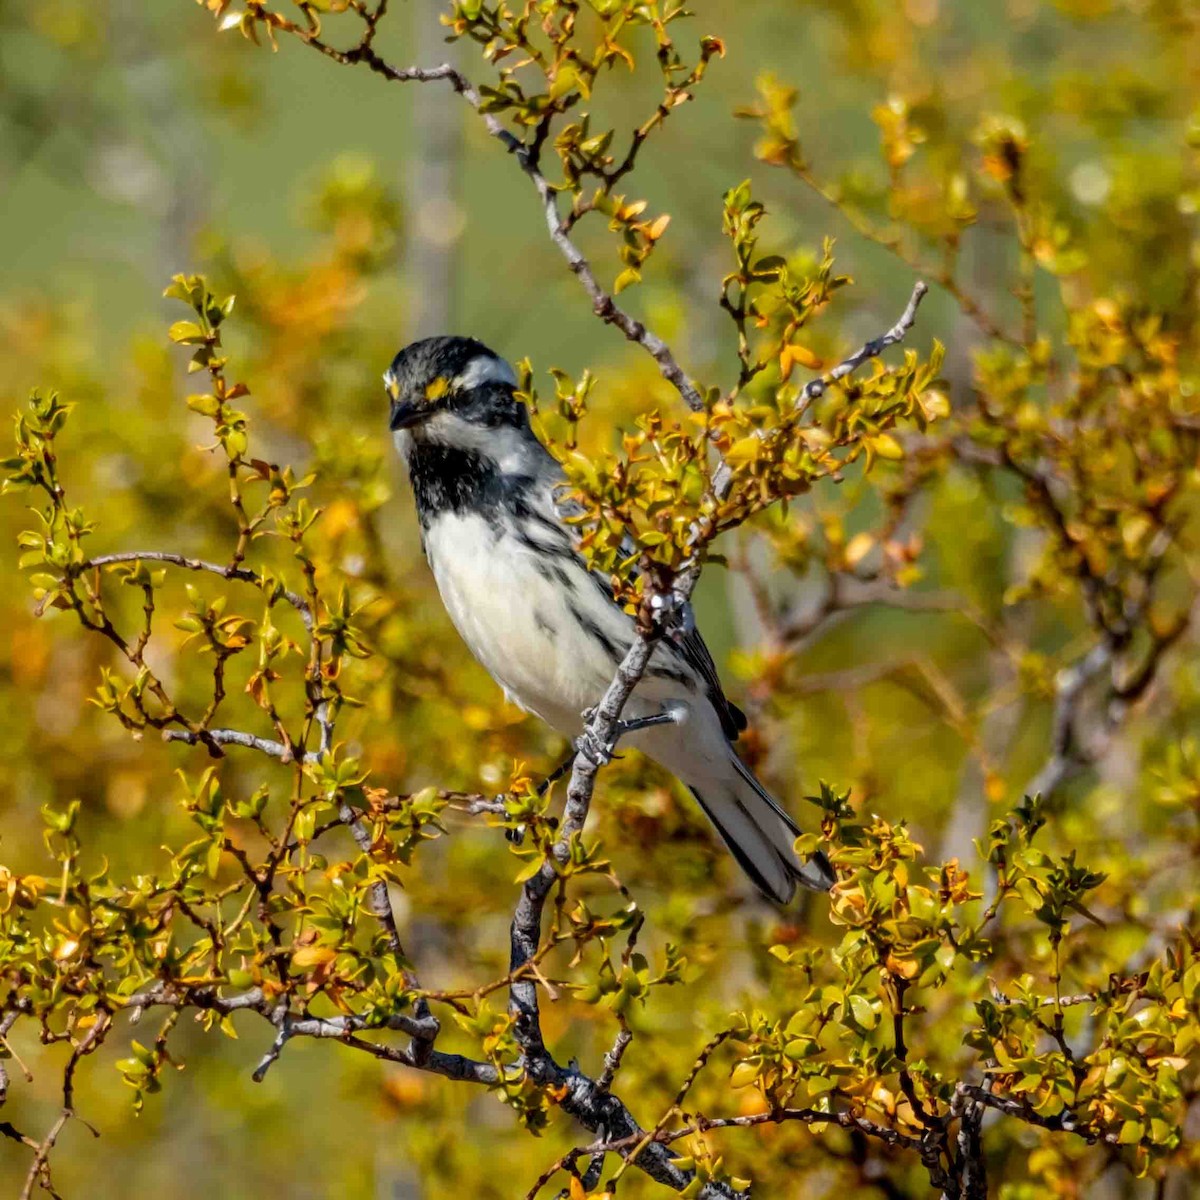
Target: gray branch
[
  {"x": 586, "y": 1099},
  {"x": 345, "y": 1029},
  {"x": 873, "y": 349},
  {"x": 243, "y": 574},
  {"x": 1067, "y": 757},
  {"x": 236, "y": 737},
  {"x": 603, "y": 304}
]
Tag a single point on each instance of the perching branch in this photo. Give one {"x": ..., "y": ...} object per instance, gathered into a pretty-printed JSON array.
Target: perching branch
[{"x": 589, "y": 1101}]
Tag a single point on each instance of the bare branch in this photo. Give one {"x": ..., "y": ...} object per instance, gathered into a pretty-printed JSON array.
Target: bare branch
[
  {"x": 778, "y": 1116},
  {"x": 1064, "y": 1122},
  {"x": 847, "y": 593},
  {"x": 380, "y": 901},
  {"x": 1071, "y": 751},
  {"x": 39, "y": 1171},
  {"x": 345, "y": 1029},
  {"x": 244, "y": 574},
  {"x": 612, "y": 1060},
  {"x": 873, "y": 349},
  {"x": 603, "y": 304},
  {"x": 236, "y": 737},
  {"x": 1066, "y": 757},
  {"x": 593, "y": 1105}
]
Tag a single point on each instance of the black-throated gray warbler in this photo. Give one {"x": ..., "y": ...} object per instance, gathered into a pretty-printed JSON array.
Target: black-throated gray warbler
[{"x": 547, "y": 629}]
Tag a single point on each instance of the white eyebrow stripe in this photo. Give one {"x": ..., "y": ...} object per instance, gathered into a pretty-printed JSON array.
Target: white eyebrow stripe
[{"x": 485, "y": 368}]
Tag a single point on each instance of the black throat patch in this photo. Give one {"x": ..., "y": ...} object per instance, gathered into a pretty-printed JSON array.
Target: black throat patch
[{"x": 449, "y": 479}]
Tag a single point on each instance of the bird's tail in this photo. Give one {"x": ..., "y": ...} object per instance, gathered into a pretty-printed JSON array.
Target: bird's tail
[{"x": 760, "y": 835}]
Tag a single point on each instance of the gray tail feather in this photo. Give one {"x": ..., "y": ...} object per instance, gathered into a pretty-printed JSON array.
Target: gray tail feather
[{"x": 760, "y": 835}]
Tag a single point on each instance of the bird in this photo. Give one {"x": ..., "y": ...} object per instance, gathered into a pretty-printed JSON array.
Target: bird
[{"x": 489, "y": 503}]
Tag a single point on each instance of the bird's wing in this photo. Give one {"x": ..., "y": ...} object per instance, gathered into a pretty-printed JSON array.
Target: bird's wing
[
  {"x": 696, "y": 654},
  {"x": 688, "y": 646}
]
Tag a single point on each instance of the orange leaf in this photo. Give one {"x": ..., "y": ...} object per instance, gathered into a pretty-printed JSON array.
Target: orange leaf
[{"x": 792, "y": 354}]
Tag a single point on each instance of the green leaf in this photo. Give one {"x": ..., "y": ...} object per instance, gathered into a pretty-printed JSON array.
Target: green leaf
[
  {"x": 187, "y": 333},
  {"x": 863, "y": 1013}
]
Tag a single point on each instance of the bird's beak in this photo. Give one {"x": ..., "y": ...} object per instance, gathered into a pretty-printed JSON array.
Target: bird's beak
[{"x": 405, "y": 413}]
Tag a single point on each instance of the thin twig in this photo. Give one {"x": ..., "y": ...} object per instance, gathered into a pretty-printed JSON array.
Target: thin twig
[
  {"x": 603, "y": 304},
  {"x": 244, "y": 574},
  {"x": 237, "y": 737},
  {"x": 943, "y": 277},
  {"x": 815, "y": 389},
  {"x": 612, "y": 1060}
]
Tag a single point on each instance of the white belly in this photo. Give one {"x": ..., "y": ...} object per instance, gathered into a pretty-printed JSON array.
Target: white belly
[{"x": 512, "y": 608}]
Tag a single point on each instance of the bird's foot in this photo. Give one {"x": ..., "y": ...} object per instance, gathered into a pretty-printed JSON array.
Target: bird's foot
[
  {"x": 601, "y": 752},
  {"x": 555, "y": 775},
  {"x": 670, "y": 715},
  {"x": 597, "y": 750}
]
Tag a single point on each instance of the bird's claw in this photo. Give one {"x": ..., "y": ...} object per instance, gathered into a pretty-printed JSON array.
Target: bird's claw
[
  {"x": 596, "y": 750},
  {"x": 601, "y": 752}
]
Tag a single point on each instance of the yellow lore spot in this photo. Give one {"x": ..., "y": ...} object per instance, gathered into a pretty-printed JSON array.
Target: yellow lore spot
[{"x": 437, "y": 388}]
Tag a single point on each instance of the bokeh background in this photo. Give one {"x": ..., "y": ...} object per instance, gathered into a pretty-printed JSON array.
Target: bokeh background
[{"x": 351, "y": 217}]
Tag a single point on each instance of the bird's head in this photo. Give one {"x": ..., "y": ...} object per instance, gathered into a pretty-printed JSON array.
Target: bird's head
[{"x": 454, "y": 392}]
